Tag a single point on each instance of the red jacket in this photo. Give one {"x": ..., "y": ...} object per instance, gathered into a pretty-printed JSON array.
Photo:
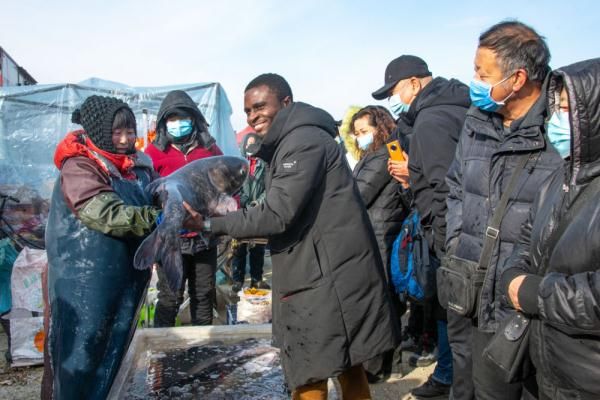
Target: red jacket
[{"x": 172, "y": 159}]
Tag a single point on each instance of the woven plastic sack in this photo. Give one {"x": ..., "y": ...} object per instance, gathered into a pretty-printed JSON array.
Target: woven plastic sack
[
  {"x": 27, "y": 341},
  {"x": 26, "y": 280},
  {"x": 254, "y": 306}
]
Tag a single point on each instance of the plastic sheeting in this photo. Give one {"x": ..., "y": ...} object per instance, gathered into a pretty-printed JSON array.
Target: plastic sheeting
[{"x": 33, "y": 119}]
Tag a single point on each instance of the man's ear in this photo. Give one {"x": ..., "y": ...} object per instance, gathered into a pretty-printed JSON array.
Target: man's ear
[
  {"x": 415, "y": 85},
  {"x": 520, "y": 79},
  {"x": 287, "y": 100}
]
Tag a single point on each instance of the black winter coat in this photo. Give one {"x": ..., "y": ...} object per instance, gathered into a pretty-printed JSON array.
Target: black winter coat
[
  {"x": 386, "y": 203},
  {"x": 403, "y": 132},
  {"x": 331, "y": 308},
  {"x": 562, "y": 288},
  {"x": 436, "y": 116},
  {"x": 485, "y": 159}
]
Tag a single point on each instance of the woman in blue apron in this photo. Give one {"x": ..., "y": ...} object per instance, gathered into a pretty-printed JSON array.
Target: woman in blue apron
[{"x": 98, "y": 216}]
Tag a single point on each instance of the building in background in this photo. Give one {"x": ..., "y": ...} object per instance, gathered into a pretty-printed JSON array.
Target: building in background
[{"x": 11, "y": 74}]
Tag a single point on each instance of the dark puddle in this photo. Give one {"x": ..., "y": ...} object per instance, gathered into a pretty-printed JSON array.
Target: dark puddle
[{"x": 245, "y": 370}]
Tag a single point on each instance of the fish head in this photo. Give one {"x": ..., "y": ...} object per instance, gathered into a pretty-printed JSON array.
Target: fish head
[
  {"x": 223, "y": 205},
  {"x": 227, "y": 174}
]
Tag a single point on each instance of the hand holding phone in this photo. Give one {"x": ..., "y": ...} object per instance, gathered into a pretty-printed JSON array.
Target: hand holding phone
[{"x": 395, "y": 151}]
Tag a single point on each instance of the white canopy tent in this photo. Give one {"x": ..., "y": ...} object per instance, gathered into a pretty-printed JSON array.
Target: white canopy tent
[{"x": 33, "y": 119}]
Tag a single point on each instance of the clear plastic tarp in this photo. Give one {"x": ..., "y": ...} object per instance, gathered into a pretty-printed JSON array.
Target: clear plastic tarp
[{"x": 33, "y": 119}]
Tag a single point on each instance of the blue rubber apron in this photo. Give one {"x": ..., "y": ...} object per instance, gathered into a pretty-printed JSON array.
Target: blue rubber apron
[{"x": 95, "y": 295}]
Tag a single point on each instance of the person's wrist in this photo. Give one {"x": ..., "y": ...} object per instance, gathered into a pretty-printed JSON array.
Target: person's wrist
[{"x": 206, "y": 225}]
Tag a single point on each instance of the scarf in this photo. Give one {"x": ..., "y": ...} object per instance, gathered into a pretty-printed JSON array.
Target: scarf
[{"x": 77, "y": 143}]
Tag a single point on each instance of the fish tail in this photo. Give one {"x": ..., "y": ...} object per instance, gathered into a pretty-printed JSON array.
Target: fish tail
[{"x": 162, "y": 247}]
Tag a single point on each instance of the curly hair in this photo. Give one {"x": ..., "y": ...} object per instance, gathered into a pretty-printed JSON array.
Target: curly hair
[{"x": 380, "y": 119}]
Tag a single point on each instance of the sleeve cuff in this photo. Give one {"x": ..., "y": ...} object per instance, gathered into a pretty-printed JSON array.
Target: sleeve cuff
[
  {"x": 528, "y": 294},
  {"x": 507, "y": 277},
  {"x": 218, "y": 226}
]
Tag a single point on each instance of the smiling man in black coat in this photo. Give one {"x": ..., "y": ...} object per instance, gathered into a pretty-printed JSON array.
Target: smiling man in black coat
[{"x": 331, "y": 310}]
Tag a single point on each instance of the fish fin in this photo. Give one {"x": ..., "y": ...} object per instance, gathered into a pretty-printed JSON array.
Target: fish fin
[
  {"x": 153, "y": 186},
  {"x": 156, "y": 191},
  {"x": 145, "y": 254}
]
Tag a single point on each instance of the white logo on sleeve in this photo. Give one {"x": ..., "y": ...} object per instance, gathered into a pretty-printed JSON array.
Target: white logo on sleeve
[{"x": 290, "y": 166}]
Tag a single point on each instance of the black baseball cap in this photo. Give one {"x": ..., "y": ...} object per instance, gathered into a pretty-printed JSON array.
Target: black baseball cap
[{"x": 401, "y": 68}]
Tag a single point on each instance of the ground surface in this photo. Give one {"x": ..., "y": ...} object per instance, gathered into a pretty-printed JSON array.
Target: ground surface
[{"x": 24, "y": 383}]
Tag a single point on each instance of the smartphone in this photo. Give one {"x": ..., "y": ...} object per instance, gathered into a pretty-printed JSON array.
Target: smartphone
[{"x": 395, "y": 151}]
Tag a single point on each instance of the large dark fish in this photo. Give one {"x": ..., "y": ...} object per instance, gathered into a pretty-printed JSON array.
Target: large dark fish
[{"x": 207, "y": 186}]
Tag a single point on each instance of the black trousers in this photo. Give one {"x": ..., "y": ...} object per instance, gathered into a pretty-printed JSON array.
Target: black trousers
[
  {"x": 487, "y": 381},
  {"x": 383, "y": 365},
  {"x": 459, "y": 336},
  {"x": 257, "y": 261},
  {"x": 421, "y": 320},
  {"x": 199, "y": 271},
  {"x": 473, "y": 376}
]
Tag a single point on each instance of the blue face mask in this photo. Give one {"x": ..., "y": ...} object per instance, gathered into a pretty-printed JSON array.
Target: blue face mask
[
  {"x": 364, "y": 141},
  {"x": 397, "y": 106},
  {"x": 179, "y": 128},
  {"x": 481, "y": 95},
  {"x": 559, "y": 133}
]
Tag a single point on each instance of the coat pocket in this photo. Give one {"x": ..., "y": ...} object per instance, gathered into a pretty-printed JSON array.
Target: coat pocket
[{"x": 299, "y": 268}]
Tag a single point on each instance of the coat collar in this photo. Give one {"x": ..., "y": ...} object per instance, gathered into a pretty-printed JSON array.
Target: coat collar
[{"x": 526, "y": 133}]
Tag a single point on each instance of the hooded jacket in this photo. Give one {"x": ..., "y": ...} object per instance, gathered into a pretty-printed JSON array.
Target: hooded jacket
[
  {"x": 178, "y": 100},
  {"x": 486, "y": 156},
  {"x": 436, "y": 116},
  {"x": 168, "y": 158},
  {"x": 560, "y": 248},
  {"x": 200, "y": 144},
  {"x": 403, "y": 132},
  {"x": 331, "y": 308}
]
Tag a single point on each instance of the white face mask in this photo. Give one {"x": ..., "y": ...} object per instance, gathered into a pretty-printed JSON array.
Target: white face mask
[
  {"x": 364, "y": 141},
  {"x": 397, "y": 106}
]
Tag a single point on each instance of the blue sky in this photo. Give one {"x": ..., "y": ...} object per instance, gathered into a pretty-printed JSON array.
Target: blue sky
[{"x": 333, "y": 53}]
